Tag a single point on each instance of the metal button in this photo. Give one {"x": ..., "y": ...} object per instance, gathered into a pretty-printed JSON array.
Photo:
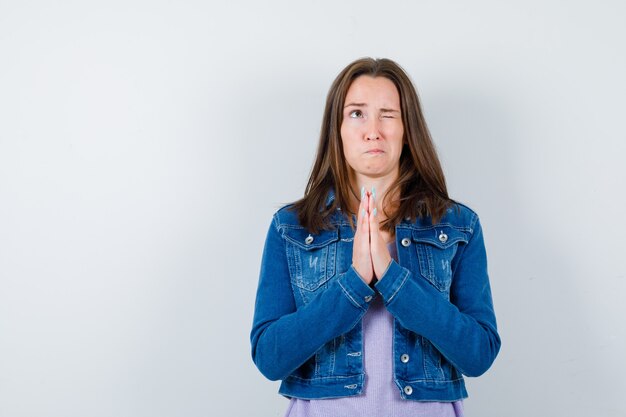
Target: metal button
[
  {"x": 406, "y": 242},
  {"x": 404, "y": 358},
  {"x": 443, "y": 237},
  {"x": 408, "y": 390},
  {"x": 368, "y": 298},
  {"x": 308, "y": 240}
]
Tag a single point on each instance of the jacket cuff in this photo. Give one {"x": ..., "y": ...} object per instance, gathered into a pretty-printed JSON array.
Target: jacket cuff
[
  {"x": 357, "y": 291},
  {"x": 391, "y": 282}
]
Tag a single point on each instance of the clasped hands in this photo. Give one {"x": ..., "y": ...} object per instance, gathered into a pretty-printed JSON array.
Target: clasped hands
[{"x": 370, "y": 256}]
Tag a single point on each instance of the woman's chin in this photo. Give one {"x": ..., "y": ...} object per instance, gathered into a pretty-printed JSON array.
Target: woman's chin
[{"x": 374, "y": 172}]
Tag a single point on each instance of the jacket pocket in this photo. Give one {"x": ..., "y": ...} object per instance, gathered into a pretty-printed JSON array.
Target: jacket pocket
[
  {"x": 436, "y": 247},
  {"x": 311, "y": 259}
]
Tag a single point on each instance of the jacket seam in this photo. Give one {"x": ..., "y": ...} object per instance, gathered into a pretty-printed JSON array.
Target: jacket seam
[
  {"x": 325, "y": 377},
  {"x": 406, "y": 275},
  {"x": 349, "y": 296}
]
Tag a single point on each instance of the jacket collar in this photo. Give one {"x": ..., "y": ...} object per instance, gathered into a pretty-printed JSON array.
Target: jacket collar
[{"x": 330, "y": 197}]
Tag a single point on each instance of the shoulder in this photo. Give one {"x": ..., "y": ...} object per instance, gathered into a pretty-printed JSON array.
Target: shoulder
[
  {"x": 286, "y": 217},
  {"x": 288, "y": 226},
  {"x": 457, "y": 224},
  {"x": 460, "y": 215},
  {"x": 457, "y": 216}
]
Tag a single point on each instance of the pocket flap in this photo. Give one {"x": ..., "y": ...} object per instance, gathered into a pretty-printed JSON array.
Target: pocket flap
[
  {"x": 307, "y": 241},
  {"x": 440, "y": 236}
]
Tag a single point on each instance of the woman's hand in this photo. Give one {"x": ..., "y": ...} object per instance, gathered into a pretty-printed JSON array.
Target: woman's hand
[
  {"x": 370, "y": 256},
  {"x": 378, "y": 247},
  {"x": 361, "y": 256}
]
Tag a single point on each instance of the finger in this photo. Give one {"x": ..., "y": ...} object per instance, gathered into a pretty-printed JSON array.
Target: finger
[
  {"x": 378, "y": 247},
  {"x": 372, "y": 202},
  {"x": 374, "y": 226},
  {"x": 362, "y": 227},
  {"x": 373, "y": 211},
  {"x": 361, "y": 256},
  {"x": 359, "y": 214},
  {"x": 365, "y": 211},
  {"x": 363, "y": 208}
]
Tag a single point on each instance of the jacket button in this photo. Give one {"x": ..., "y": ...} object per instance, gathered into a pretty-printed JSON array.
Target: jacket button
[
  {"x": 406, "y": 242},
  {"x": 368, "y": 298},
  {"x": 308, "y": 240},
  {"x": 443, "y": 237},
  {"x": 408, "y": 390},
  {"x": 404, "y": 358}
]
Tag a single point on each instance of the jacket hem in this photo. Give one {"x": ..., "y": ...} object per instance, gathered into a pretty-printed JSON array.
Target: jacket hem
[{"x": 321, "y": 388}]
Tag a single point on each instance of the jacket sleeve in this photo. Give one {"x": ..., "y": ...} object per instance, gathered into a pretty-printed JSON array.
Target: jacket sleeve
[
  {"x": 283, "y": 337},
  {"x": 462, "y": 329}
]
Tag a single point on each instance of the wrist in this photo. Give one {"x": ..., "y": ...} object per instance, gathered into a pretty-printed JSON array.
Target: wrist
[
  {"x": 360, "y": 275},
  {"x": 385, "y": 269}
]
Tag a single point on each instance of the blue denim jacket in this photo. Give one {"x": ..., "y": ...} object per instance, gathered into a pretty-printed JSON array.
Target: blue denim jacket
[{"x": 310, "y": 303}]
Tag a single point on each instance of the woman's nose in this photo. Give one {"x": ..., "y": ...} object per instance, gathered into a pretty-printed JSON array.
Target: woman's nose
[{"x": 373, "y": 129}]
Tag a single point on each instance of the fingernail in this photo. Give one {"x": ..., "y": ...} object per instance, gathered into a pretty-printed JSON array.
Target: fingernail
[
  {"x": 374, "y": 212},
  {"x": 363, "y": 212},
  {"x": 362, "y": 192},
  {"x": 374, "y": 193}
]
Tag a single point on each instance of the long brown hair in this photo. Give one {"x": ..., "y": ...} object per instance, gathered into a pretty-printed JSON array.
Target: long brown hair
[{"x": 421, "y": 185}]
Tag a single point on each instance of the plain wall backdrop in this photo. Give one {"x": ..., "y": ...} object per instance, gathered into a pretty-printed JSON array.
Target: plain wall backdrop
[{"x": 144, "y": 146}]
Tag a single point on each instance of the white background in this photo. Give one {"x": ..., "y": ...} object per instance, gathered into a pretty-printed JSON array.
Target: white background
[{"x": 144, "y": 146}]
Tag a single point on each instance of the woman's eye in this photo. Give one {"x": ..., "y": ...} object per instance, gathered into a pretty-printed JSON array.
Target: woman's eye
[{"x": 355, "y": 114}]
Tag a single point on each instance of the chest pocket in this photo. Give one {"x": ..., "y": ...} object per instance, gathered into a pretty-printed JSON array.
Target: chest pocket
[
  {"x": 311, "y": 259},
  {"x": 436, "y": 248}
]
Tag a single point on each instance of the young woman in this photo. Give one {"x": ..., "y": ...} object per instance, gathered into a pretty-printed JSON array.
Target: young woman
[{"x": 374, "y": 298}]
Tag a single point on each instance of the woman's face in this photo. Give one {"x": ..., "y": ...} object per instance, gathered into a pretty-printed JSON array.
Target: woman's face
[{"x": 372, "y": 131}]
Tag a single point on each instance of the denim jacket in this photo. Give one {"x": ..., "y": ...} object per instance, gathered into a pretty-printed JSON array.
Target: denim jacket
[{"x": 310, "y": 303}]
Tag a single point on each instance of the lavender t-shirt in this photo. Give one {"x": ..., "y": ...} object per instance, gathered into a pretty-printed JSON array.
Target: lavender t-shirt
[{"x": 381, "y": 396}]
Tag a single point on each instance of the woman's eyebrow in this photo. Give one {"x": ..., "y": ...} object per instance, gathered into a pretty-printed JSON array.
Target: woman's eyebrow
[
  {"x": 383, "y": 110},
  {"x": 355, "y": 105}
]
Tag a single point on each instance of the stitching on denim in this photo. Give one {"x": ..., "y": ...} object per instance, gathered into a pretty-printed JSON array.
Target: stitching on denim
[
  {"x": 432, "y": 241},
  {"x": 431, "y": 263},
  {"x": 393, "y": 348},
  {"x": 473, "y": 222},
  {"x": 449, "y": 243},
  {"x": 331, "y": 260},
  {"x": 317, "y": 363},
  {"x": 332, "y": 357},
  {"x": 421, "y": 228},
  {"x": 327, "y": 260},
  {"x": 276, "y": 224},
  {"x": 431, "y": 361},
  {"x": 433, "y": 381},
  {"x": 424, "y": 359},
  {"x": 345, "y": 291},
  {"x": 312, "y": 246},
  {"x": 337, "y": 377},
  {"x": 406, "y": 275},
  {"x": 297, "y": 264}
]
